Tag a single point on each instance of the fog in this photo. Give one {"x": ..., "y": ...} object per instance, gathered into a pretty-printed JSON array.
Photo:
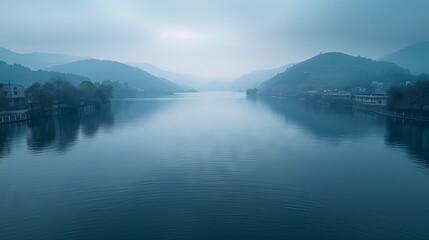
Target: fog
[{"x": 212, "y": 38}]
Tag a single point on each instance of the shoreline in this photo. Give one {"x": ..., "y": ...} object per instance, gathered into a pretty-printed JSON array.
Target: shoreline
[
  {"x": 380, "y": 110},
  {"x": 26, "y": 115}
]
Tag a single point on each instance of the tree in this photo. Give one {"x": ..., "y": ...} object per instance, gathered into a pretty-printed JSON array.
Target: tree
[
  {"x": 414, "y": 95},
  {"x": 3, "y": 102},
  {"x": 422, "y": 77},
  {"x": 395, "y": 97},
  {"x": 39, "y": 97},
  {"x": 119, "y": 90},
  {"x": 87, "y": 91},
  {"x": 63, "y": 92},
  {"x": 106, "y": 90},
  {"x": 423, "y": 90},
  {"x": 96, "y": 94},
  {"x": 58, "y": 83}
]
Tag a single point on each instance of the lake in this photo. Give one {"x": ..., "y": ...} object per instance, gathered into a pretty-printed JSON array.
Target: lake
[{"x": 214, "y": 165}]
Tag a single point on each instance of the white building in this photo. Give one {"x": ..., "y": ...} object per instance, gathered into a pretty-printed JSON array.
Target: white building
[
  {"x": 371, "y": 99},
  {"x": 15, "y": 94}
]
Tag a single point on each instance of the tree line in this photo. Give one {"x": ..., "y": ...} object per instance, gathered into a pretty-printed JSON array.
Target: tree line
[
  {"x": 412, "y": 97},
  {"x": 3, "y": 102},
  {"x": 59, "y": 93}
]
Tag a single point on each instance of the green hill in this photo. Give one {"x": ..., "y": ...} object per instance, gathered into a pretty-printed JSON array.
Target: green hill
[
  {"x": 414, "y": 57},
  {"x": 103, "y": 70},
  {"x": 35, "y": 60},
  {"x": 18, "y": 74},
  {"x": 253, "y": 79},
  {"x": 334, "y": 71}
]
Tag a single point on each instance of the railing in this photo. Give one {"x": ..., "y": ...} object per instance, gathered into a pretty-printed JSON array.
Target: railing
[
  {"x": 392, "y": 114},
  {"x": 14, "y": 118},
  {"x": 401, "y": 115}
]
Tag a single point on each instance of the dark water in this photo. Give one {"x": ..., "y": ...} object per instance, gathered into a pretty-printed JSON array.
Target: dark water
[{"x": 214, "y": 166}]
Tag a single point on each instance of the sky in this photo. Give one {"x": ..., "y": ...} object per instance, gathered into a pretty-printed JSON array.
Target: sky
[{"x": 213, "y": 39}]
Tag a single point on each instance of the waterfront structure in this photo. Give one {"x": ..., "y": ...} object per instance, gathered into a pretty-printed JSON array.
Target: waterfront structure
[
  {"x": 372, "y": 99},
  {"x": 343, "y": 95},
  {"x": 15, "y": 95}
]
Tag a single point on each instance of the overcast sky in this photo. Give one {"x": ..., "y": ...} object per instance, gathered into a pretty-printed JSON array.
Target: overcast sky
[{"x": 218, "y": 38}]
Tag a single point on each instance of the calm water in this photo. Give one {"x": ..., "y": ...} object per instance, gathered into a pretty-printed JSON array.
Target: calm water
[{"x": 214, "y": 166}]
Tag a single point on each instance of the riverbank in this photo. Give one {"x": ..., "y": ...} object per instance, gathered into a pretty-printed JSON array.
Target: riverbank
[
  {"x": 380, "y": 110},
  {"x": 24, "y": 115},
  {"x": 377, "y": 109},
  {"x": 14, "y": 116}
]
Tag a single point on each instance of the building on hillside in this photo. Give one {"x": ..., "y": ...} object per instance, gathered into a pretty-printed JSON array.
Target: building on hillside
[
  {"x": 376, "y": 98},
  {"x": 373, "y": 99},
  {"x": 335, "y": 94},
  {"x": 15, "y": 95},
  {"x": 358, "y": 90}
]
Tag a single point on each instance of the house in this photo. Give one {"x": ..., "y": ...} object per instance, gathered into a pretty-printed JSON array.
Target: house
[
  {"x": 15, "y": 95},
  {"x": 376, "y": 98},
  {"x": 373, "y": 99},
  {"x": 335, "y": 94}
]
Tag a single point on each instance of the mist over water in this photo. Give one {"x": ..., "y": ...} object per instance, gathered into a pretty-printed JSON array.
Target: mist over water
[
  {"x": 215, "y": 39},
  {"x": 214, "y": 165},
  {"x": 122, "y": 120}
]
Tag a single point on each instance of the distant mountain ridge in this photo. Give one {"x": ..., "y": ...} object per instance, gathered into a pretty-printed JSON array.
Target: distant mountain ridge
[
  {"x": 334, "y": 71},
  {"x": 103, "y": 70},
  {"x": 253, "y": 79},
  {"x": 17, "y": 74},
  {"x": 414, "y": 57},
  {"x": 36, "y": 60},
  {"x": 248, "y": 80},
  {"x": 172, "y": 76}
]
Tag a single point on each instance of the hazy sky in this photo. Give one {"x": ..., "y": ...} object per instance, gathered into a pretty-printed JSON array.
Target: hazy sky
[{"x": 218, "y": 38}]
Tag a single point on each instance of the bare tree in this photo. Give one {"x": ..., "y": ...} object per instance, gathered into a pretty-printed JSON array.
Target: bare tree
[
  {"x": 423, "y": 87},
  {"x": 3, "y": 102},
  {"x": 58, "y": 84}
]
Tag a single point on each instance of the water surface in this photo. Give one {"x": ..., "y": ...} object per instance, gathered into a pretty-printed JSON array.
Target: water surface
[{"x": 214, "y": 166}]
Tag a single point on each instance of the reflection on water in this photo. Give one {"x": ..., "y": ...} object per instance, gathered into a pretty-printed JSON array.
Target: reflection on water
[
  {"x": 9, "y": 133},
  {"x": 42, "y": 133},
  {"x": 414, "y": 137},
  {"x": 59, "y": 133},
  {"x": 128, "y": 110},
  {"x": 338, "y": 124},
  {"x": 332, "y": 124},
  {"x": 214, "y": 166},
  {"x": 91, "y": 123}
]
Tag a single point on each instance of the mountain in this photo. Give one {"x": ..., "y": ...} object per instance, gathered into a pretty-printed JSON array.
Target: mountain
[
  {"x": 335, "y": 71},
  {"x": 172, "y": 76},
  {"x": 35, "y": 60},
  {"x": 240, "y": 84},
  {"x": 18, "y": 74},
  {"x": 253, "y": 79},
  {"x": 102, "y": 70},
  {"x": 414, "y": 57}
]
